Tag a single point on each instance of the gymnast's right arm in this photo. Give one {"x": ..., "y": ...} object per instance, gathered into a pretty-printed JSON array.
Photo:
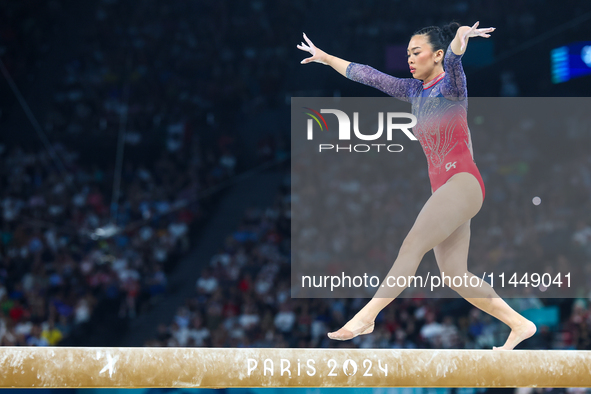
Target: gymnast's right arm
[{"x": 392, "y": 86}]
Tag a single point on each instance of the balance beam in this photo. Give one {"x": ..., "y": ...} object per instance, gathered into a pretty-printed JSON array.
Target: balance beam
[{"x": 78, "y": 367}]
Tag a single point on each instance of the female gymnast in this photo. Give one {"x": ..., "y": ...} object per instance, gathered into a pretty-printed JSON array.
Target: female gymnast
[{"x": 434, "y": 57}]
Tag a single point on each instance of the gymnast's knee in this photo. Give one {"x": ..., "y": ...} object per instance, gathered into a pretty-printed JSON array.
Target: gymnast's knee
[{"x": 412, "y": 247}]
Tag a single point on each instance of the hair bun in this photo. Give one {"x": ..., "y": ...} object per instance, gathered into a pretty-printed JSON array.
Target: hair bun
[{"x": 449, "y": 31}]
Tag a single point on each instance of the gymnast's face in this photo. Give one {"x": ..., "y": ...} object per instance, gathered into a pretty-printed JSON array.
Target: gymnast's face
[{"x": 422, "y": 59}]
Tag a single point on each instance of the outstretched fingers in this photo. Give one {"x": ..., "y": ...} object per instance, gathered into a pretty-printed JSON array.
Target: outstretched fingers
[
  {"x": 474, "y": 32},
  {"x": 483, "y": 32},
  {"x": 308, "y": 48}
]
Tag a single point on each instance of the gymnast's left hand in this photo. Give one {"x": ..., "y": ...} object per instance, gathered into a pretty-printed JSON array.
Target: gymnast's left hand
[{"x": 466, "y": 32}]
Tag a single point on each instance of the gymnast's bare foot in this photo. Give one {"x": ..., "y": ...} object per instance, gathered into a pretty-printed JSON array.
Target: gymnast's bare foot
[
  {"x": 353, "y": 328},
  {"x": 518, "y": 333}
]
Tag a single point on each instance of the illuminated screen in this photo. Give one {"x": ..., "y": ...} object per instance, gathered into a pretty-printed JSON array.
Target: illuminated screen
[{"x": 571, "y": 61}]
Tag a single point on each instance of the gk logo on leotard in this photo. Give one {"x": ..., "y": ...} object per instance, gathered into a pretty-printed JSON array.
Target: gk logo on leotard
[{"x": 449, "y": 166}]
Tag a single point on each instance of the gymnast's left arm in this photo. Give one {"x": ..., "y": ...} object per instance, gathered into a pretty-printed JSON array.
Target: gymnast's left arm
[{"x": 455, "y": 84}]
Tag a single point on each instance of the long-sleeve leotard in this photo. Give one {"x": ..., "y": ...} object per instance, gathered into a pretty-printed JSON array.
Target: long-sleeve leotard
[{"x": 441, "y": 110}]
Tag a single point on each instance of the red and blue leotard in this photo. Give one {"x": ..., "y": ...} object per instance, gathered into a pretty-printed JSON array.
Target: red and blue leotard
[{"x": 441, "y": 110}]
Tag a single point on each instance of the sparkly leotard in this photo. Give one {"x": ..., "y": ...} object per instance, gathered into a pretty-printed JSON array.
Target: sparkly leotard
[{"x": 441, "y": 110}]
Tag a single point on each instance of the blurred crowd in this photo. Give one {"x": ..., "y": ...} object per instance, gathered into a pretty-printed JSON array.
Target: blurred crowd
[{"x": 66, "y": 251}]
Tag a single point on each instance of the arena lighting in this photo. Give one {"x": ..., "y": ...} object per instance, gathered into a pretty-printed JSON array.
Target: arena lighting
[
  {"x": 72, "y": 367},
  {"x": 571, "y": 61}
]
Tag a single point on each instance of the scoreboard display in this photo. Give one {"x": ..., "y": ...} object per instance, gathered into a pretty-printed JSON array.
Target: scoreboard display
[{"x": 571, "y": 61}]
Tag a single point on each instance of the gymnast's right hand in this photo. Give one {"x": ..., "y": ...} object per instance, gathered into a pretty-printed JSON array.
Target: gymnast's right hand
[{"x": 318, "y": 55}]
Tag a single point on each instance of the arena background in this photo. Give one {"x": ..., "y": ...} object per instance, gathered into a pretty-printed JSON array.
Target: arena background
[{"x": 145, "y": 170}]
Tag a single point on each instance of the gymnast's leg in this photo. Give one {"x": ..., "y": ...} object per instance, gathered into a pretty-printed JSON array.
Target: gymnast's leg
[
  {"x": 452, "y": 259},
  {"x": 452, "y": 204}
]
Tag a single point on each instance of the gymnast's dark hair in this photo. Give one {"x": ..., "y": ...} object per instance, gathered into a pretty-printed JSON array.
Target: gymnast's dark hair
[{"x": 439, "y": 37}]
